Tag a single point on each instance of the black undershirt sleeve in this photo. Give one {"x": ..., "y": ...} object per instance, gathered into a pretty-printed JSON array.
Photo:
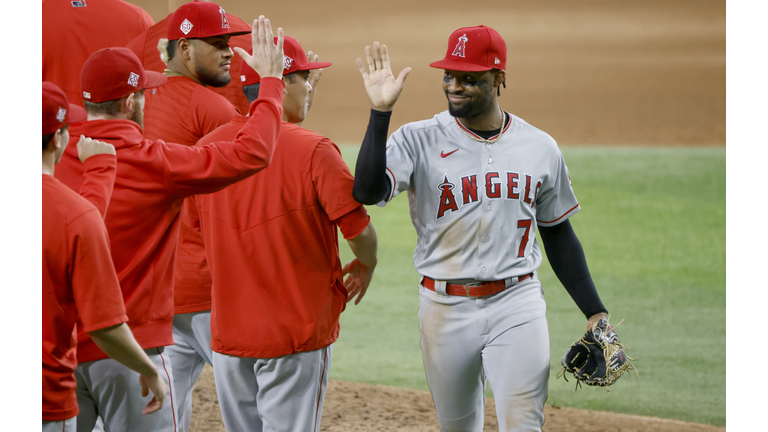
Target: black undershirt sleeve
[
  {"x": 566, "y": 256},
  {"x": 371, "y": 182}
]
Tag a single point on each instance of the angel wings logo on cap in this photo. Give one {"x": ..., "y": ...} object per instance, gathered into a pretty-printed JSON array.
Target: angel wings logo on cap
[
  {"x": 61, "y": 115},
  {"x": 186, "y": 26},
  {"x": 288, "y": 63},
  {"x": 224, "y": 22},
  {"x": 133, "y": 80},
  {"x": 461, "y": 46}
]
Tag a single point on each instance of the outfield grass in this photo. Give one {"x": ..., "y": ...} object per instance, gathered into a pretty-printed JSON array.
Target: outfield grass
[{"x": 653, "y": 228}]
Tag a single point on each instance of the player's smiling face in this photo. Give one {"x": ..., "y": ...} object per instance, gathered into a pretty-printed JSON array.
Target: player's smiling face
[
  {"x": 470, "y": 94},
  {"x": 296, "y": 97},
  {"x": 212, "y": 60}
]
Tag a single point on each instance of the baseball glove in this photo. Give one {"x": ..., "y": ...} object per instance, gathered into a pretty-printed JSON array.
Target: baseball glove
[{"x": 598, "y": 358}]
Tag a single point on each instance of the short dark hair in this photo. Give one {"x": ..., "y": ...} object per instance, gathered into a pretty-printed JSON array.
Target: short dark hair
[
  {"x": 111, "y": 107},
  {"x": 49, "y": 137},
  {"x": 171, "y": 49},
  {"x": 251, "y": 92},
  {"x": 47, "y": 140}
]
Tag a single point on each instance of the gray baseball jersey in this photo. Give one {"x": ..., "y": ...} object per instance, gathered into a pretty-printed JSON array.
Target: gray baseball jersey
[{"x": 475, "y": 205}]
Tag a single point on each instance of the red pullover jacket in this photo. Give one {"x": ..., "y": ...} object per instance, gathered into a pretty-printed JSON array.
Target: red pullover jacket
[{"x": 142, "y": 218}]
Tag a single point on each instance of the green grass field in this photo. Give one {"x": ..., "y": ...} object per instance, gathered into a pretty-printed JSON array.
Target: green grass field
[{"x": 653, "y": 228}]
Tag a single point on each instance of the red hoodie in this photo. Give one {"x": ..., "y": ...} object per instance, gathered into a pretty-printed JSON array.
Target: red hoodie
[{"x": 142, "y": 219}]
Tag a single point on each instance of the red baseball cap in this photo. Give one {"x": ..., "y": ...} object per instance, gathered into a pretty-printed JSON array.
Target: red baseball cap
[
  {"x": 202, "y": 19},
  {"x": 57, "y": 110},
  {"x": 112, "y": 73},
  {"x": 295, "y": 60},
  {"x": 474, "y": 49}
]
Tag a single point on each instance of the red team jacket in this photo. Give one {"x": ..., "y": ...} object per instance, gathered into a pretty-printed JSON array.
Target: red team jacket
[
  {"x": 145, "y": 48},
  {"x": 182, "y": 112},
  {"x": 79, "y": 284},
  {"x": 142, "y": 219},
  {"x": 98, "y": 180},
  {"x": 72, "y": 31},
  {"x": 272, "y": 246}
]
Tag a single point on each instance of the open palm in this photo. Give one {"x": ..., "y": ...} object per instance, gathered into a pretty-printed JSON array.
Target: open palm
[{"x": 382, "y": 88}]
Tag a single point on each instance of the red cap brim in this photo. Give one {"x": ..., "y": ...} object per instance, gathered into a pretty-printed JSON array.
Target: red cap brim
[
  {"x": 154, "y": 79},
  {"x": 459, "y": 66},
  {"x": 315, "y": 65},
  {"x": 239, "y": 33},
  {"x": 76, "y": 114}
]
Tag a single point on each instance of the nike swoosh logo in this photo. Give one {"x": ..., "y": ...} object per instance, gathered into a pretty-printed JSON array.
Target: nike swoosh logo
[{"x": 444, "y": 154}]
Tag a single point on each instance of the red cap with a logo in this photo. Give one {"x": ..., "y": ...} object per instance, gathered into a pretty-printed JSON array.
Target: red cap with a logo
[
  {"x": 202, "y": 19},
  {"x": 295, "y": 60},
  {"x": 474, "y": 49},
  {"x": 112, "y": 73},
  {"x": 57, "y": 111}
]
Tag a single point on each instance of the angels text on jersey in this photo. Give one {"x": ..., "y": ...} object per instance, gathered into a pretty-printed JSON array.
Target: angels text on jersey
[{"x": 495, "y": 187}]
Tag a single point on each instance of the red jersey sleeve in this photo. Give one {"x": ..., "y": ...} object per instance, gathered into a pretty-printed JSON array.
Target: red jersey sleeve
[
  {"x": 212, "y": 167},
  {"x": 332, "y": 179},
  {"x": 353, "y": 223},
  {"x": 99, "y": 180},
  {"x": 96, "y": 290}
]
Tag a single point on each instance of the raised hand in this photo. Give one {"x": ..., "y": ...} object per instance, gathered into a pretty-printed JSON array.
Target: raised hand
[
  {"x": 267, "y": 58},
  {"x": 314, "y": 77},
  {"x": 88, "y": 147},
  {"x": 382, "y": 88}
]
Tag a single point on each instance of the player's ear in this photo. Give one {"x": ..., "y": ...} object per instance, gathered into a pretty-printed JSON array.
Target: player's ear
[
  {"x": 499, "y": 79},
  {"x": 183, "y": 47},
  {"x": 126, "y": 105},
  {"x": 55, "y": 141}
]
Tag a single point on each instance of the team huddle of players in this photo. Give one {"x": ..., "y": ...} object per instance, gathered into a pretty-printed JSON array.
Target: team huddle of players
[{"x": 188, "y": 219}]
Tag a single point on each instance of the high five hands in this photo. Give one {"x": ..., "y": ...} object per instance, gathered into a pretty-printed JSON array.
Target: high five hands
[
  {"x": 267, "y": 58},
  {"x": 314, "y": 77},
  {"x": 382, "y": 88}
]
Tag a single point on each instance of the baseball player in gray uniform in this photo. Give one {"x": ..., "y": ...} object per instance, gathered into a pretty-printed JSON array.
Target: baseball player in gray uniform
[{"x": 479, "y": 182}]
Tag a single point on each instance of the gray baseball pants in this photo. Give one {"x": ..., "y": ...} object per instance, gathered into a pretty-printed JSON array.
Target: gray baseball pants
[
  {"x": 502, "y": 338},
  {"x": 107, "y": 389},
  {"x": 281, "y": 394},
  {"x": 190, "y": 351},
  {"x": 68, "y": 425}
]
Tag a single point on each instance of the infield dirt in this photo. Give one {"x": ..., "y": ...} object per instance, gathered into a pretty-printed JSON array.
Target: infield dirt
[
  {"x": 365, "y": 407},
  {"x": 592, "y": 72}
]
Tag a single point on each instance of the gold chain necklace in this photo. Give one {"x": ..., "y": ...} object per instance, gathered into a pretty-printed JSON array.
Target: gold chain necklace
[
  {"x": 479, "y": 139},
  {"x": 171, "y": 73}
]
